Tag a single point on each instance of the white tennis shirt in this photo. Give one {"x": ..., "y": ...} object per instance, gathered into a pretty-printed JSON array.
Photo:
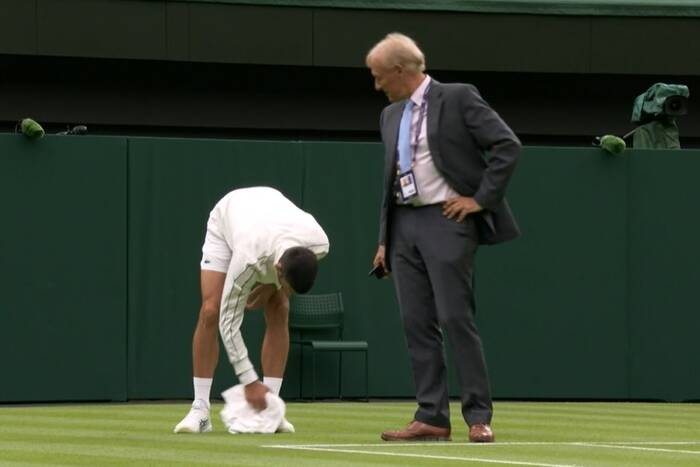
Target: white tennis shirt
[{"x": 259, "y": 224}]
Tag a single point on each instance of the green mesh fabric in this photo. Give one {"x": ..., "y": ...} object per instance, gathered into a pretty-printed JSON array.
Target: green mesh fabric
[{"x": 316, "y": 311}]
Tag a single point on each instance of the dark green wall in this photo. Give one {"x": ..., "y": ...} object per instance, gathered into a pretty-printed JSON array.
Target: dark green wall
[
  {"x": 173, "y": 184},
  {"x": 553, "y": 304},
  {"x": 102, "y": 237},
  {"x": 664, "y": 275},
  {"x": 63, "y": 276},
  {"x": 342, "y": 186}
]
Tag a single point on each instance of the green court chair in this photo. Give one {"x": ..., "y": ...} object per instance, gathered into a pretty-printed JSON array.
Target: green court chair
[{"x": 309, "y": 314}]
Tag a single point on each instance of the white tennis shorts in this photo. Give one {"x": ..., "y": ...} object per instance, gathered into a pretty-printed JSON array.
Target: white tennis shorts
[{"x": 216, "y": 253}]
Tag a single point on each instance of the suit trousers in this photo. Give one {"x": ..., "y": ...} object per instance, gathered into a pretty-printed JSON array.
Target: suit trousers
[{"x": 432, "y": 261}]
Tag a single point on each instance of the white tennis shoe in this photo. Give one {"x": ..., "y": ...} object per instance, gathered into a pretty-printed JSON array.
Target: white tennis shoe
[
  {"x": 197, "y": 420},
  {"x": 285, "y": 427}
]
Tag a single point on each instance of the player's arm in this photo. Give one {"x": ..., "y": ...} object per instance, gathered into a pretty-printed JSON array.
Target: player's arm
[
  {"x": 260, "y": 295},
  {"x": 276, "y": 304},
  {"x": 232, "y": 312}
]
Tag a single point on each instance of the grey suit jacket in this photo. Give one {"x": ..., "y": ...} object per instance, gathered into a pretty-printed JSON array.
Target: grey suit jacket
[{"x": 473, "y": 149}]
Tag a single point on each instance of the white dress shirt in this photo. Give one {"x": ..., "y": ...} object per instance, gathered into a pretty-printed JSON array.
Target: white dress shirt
[{"x": 432, "y": 187}]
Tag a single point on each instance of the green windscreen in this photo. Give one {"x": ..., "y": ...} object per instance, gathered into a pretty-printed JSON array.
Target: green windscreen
[{"x": 101, "y": 241}]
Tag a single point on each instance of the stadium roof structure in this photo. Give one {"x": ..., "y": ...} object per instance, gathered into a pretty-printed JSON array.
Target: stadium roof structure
[{"x": 668, "y": 8}]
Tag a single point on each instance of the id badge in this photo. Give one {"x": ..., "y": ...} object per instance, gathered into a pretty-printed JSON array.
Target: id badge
[{"x": 407, "y": 182}]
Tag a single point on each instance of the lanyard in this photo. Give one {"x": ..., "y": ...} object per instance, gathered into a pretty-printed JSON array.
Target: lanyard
[{"x": 419, "y": 124}]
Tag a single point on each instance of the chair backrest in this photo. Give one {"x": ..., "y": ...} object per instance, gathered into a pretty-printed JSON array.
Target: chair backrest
[{"x": 321, "y": 311}]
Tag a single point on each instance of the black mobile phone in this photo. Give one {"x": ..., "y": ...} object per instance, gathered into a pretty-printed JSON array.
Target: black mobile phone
[{"x": 377, "y": 271}]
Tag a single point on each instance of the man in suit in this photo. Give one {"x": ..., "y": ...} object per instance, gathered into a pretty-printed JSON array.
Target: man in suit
[{"x": 448, "y": 159}]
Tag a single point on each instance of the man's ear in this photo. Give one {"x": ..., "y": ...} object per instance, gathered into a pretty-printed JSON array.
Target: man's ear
[{"x": 278, "y": 267}]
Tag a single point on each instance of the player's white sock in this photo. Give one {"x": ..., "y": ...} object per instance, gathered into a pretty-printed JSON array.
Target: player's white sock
[
  {"x": 202, "y": 388},
  {"x": 275, "y": 384}
]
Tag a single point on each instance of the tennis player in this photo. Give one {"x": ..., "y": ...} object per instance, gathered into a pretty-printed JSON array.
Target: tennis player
[{"x": 259, "y": 249}]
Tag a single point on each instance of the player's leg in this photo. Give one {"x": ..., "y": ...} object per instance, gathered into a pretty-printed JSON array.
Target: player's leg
[
  {"x": 205, "y": 342},
  {"x": 205, "y": 353}
]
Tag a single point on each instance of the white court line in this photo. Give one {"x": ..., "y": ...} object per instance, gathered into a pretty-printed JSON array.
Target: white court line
[
  {"x": 486, "y": 445},
  {"x": 422, "y": 456},
  {"x": 662, "y": 443},
  {"x": 639, "y": 448},
  {"x": 634, "y": 445}
]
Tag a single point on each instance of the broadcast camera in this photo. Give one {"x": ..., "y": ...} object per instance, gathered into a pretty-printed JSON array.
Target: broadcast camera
[
  {"x": 659, "y": 102},
  {"x": 655, "y": 112}
]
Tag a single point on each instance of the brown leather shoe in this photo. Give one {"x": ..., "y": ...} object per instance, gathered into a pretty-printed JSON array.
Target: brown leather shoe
[
  {"x": 481, "y": 433},
  {"x": 418, "y": 431}
]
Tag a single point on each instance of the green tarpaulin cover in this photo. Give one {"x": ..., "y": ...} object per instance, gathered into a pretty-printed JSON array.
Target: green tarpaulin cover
[
  {"x": 657, "y": 135},
  {"x": 650, "y": 104}
]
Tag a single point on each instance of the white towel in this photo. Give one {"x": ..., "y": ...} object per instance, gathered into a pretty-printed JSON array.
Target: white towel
[{"x": 240, "y": 417}]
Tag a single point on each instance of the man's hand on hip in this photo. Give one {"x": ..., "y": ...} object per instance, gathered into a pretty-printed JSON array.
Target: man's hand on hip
[{"x": 460, "y": 207}]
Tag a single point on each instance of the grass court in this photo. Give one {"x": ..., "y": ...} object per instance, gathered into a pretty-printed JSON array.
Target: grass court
[{"x": 347, "y": 434}]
